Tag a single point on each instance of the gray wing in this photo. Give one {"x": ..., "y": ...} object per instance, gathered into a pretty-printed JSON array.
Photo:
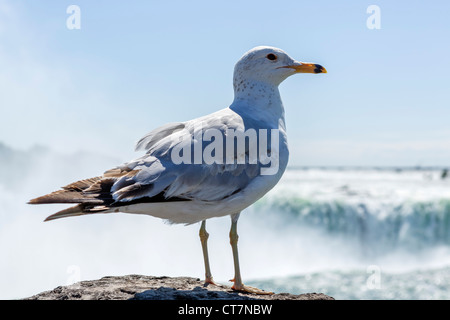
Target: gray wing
[
  {"x": 153, "y": 139},
  {"x": 154, "y": 177},
  {"x": 156, "y": 174}
]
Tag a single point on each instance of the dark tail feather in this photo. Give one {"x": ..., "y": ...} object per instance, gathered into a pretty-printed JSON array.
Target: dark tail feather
[
  {"x": 91, "y": 195},
  {"x": 65, "y": 196},
  {"x": 69, "y": 212}
]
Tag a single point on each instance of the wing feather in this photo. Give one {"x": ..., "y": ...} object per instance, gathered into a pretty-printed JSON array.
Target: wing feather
[
  {"x": 154, "y": 177},
  {"x": 155, "y": 172}
]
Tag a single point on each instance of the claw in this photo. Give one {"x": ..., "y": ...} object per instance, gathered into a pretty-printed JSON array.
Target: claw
[
  {"x": 248, "y": 289},
  {"x": 209, "y": 281}
]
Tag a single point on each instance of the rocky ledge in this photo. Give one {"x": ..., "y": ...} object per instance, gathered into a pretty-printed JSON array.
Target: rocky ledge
[{"x": 138, "y": 287}]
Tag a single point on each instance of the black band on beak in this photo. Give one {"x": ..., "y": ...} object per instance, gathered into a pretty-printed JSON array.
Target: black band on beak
[{"x": 318, "y": 68}]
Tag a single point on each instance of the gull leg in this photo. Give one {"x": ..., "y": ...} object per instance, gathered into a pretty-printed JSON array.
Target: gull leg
[
  {"x": 204, "y": 239},
  {"x": 238, "y": 285}
]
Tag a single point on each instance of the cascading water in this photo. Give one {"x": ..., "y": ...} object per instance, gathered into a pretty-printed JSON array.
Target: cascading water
[{"x": 395, "y": 219}]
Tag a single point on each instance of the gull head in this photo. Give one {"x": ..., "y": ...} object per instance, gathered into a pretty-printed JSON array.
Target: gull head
[{"x": 271, "y": 66}]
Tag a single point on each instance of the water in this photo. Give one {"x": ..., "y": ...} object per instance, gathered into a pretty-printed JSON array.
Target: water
[
  {"x": 379, "y": 209},
  {"x": 350, "y": 233},
  {"x": 360, "y": 284},
  {"x": 388, "y": 231}
]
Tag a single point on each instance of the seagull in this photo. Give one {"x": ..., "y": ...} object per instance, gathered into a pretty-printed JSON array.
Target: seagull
[{"x": 179, "y": 181}]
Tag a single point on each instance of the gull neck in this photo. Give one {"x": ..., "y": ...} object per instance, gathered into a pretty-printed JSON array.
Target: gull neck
[{"x": 259, "y": 99}]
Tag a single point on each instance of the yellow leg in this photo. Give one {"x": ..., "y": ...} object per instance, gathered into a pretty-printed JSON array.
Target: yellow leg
[
  {"x": 204, "y": 239},
  {"x": 238, "y": 285}
]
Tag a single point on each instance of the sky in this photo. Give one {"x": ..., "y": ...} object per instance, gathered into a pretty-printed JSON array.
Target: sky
[{"x": 135, "y": 65}]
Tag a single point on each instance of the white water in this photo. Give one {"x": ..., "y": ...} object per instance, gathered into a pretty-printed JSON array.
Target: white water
[
  {"x": 356, "y": 234},
  {"x": 363, "y": 234}
]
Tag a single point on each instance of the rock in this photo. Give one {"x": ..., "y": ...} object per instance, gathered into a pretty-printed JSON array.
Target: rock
[{"x": 138, "y": 287}]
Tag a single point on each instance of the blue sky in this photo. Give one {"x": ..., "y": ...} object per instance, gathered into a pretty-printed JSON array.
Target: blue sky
[{"x": 135, "y": 65}]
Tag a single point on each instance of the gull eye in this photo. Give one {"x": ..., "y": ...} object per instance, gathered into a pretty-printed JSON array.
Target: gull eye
[{"x": 271, "y": 57}]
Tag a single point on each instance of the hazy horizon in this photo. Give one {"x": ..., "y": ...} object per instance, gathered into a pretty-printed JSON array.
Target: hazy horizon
[{"x": 117, "y": 159}]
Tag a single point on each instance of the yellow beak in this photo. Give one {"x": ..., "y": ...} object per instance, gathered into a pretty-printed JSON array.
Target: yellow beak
[{"x": 303, "y": 67}]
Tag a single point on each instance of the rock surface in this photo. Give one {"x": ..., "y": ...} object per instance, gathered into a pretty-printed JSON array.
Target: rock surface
[{"x": 138, "y": 287}]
